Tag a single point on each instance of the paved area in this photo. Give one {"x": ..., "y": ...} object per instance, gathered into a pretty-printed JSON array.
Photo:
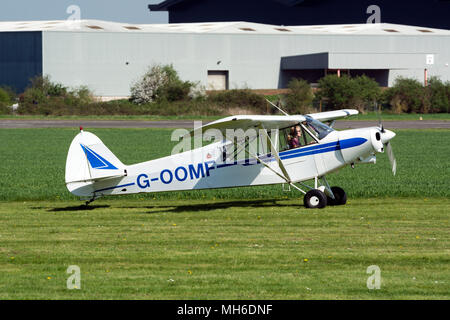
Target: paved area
[{"x": 425, "y": 124}]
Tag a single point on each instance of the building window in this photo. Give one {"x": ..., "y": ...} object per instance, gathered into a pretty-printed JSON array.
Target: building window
[{"x": 217, "y": 80}]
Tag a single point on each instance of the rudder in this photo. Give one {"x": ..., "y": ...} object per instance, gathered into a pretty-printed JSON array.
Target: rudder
[{"x": 89, "y": 160}]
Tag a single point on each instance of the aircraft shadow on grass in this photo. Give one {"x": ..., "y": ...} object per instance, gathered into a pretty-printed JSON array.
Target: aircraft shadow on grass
[
  {"x": 215, "y": 206},
  {"x": 77, "y": 208},
  {"x": 211, "y": 206}
]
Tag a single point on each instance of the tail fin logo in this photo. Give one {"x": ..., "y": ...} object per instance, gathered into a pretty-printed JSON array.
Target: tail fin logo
[{"x": 96, "y": 161}]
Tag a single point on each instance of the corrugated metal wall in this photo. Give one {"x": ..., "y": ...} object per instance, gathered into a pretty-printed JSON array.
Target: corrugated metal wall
[{"x": 109, "y": 62}]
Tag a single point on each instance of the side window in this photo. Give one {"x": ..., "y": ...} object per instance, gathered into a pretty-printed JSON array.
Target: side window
[
  {"x": 295, "y": 137},
  {"x": 284, "y": 136},
  {"x": 240, "y": 149},
  {"x": 288, "y": 138},
  {"x": 307, "y": 139}
]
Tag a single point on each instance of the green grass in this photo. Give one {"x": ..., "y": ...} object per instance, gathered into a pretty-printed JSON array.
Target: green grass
[
  {"x": 243, "y": 249},
  {"x": 241, "y": 243},
  {"x": 369, "y": 116},
  {"x": 33, "y": 163}
]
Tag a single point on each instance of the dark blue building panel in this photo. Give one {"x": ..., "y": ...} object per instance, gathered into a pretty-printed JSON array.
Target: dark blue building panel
[{"x": 20, "y": 58}]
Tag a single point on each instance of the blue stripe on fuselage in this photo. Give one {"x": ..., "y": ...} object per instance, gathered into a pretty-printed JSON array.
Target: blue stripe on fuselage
[
  {"x": 115, "y": 187},
  {"x": 322, "y": 148},
  {"x": 309, "y": 148},
  {"x": 306, "y": 151}
]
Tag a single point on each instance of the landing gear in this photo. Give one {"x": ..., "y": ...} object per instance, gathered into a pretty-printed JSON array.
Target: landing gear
[
  {"x": 322, "y": 194},
  {"x": 340, "y": 197},
  {"x": 90, "y": 200},
  {"x": 315, "y": 199}
]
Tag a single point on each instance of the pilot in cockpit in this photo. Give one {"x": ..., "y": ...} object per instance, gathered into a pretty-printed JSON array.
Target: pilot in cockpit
[{"x": 294, "y": 137}]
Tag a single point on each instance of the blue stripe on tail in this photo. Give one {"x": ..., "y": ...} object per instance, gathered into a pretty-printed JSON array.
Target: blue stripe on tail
[{"x": 96, "y": 161}]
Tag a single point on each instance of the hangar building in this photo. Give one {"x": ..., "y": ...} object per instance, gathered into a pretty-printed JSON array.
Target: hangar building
[{"x": 108, "y": 56}]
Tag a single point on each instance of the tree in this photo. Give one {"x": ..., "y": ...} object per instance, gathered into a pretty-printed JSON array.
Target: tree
[
  {"x": 300, "y": 97},
  {"x": 346, "y": 92},
  {"x": 439, "y": 93},
  {"x": 367, "y": 92},
  {"x": 407, "y": 95},
  {"x": 160, "y": 82},
  {"x": 336, "y": 91}
]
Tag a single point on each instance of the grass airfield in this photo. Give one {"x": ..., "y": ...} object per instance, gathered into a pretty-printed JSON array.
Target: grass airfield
[
  {"x": 243, "y": 243},
  {"x": 246, "y": 249}
]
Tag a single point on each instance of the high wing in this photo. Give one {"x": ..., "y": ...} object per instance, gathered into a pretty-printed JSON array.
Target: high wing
[
  {"x": 246, "y": 122},
  {"x": 333, "y": 115}
]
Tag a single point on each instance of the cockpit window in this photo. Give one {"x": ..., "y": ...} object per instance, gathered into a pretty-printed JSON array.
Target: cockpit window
[
  {"x": 294, "y": 137},
  {"x": 319, "y": 129}
]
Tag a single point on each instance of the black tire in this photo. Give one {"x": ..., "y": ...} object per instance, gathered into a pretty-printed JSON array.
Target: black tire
[
  {"x": 315, "y": 199},
  {"x": 340, "y": 197}
]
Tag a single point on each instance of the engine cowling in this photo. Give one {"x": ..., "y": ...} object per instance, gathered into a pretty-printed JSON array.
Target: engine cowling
[{"x": 355, "y": 143}]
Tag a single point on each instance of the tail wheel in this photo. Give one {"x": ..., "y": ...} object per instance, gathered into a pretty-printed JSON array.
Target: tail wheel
[
  {"x": 340, "y": 197},
  {"x": 315, "y": 199}
]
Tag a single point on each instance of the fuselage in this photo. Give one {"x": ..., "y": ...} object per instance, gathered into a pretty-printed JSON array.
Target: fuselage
[{"x": 207, "y": 167}]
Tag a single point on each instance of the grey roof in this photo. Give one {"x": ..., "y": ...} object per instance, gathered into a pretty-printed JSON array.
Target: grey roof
[{"x": 219, "y": 28}]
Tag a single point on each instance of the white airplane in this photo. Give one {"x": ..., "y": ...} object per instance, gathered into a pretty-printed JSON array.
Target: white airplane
[{"x": 274, "y": 149}]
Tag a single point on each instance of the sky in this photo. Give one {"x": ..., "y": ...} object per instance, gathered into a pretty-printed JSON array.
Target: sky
[{"x": 132, "y": 11}]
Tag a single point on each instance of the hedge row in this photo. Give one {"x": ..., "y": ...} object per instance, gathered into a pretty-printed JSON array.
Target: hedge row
[{"x": 175, "y": 97}]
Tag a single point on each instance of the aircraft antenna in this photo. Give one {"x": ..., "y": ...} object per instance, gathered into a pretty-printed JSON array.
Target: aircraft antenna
[
  {"x": 378, "y": 112},
  {"x": 273, "y": 104}
]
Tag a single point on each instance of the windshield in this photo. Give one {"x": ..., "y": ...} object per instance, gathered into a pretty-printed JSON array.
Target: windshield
[{"x": 320, "y": 129}]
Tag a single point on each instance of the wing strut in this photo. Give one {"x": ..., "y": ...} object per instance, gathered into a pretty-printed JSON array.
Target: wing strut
[
  {"x": 285, "y": 175},
  {"x": 274, "y": 151},
  {"x": 242, "y": 147}
]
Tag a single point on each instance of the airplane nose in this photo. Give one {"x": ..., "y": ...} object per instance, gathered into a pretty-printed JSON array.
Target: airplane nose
[{"x": 387, "y": 136}]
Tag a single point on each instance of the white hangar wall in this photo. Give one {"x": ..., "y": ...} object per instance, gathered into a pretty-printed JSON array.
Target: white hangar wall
[{"x": 108, "y": 62}]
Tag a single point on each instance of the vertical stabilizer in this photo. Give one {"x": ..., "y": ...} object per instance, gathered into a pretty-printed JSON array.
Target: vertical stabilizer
[{"x": 89, "y": 160}]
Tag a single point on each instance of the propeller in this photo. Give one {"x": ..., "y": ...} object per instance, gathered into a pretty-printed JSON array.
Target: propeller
[
  {"x": 391, "y": 157},
  {"x": 386, "y": 137}
]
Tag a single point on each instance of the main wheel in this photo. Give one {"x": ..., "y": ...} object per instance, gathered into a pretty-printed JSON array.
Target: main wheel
[
  {"x": 340, "y": 197},
  {"x": 315, "y": 199}
]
